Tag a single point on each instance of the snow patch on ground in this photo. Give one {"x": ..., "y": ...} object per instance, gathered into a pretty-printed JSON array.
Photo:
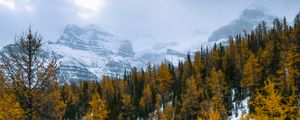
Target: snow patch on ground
[{"x": 242, "y": 109}]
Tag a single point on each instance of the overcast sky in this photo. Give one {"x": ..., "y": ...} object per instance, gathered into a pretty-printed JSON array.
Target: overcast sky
[{"x": 144, "y": 22}]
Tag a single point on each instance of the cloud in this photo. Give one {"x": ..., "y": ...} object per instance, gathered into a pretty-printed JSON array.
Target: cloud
[
  {"x": 88, "y": 8},
  {"x": 18, "y": 5},
  {"x": 29, "y": 8},
  {"x": 186, "y": 22},
  {"x": 8, "y": 3}
]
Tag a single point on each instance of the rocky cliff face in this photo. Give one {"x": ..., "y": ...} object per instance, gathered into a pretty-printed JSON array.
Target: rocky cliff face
[
  {"x": 90, "y": 52},
  {"x": 95, "y": 39}
]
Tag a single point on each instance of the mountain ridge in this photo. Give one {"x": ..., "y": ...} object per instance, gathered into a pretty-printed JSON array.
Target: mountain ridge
[{"x": 247, "y": 21}]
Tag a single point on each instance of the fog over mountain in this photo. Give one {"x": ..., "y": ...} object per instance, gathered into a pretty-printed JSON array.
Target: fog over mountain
[
  {"x": 88, "y": 52},
  {"x": 149, "y": 59},
  {"x": 99, "y": 40},
  {"x": 247, "y": 21},
  {"x": 145, "y": 23}
]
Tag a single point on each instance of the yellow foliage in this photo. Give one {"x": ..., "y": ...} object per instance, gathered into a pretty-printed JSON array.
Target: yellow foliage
[
  {"x": 146, "y": 98},
  {"x": 211, "y": 115},
  {"x": 214, "y": 115},
  {"x": 189, "y": 106},
  {"x": 271, "y": 105},
  {"x": 60, "y": 109},
  {"x": 167, "y": 114},
  {"x": 216, "y": 83},
  {"x": 251, "y": 72},
  {"x": 165, "y": 80},
  {"x": 97, "y": 110},
  {"x": 10, "y": 108},
  {"x": 165, "y": 77}
]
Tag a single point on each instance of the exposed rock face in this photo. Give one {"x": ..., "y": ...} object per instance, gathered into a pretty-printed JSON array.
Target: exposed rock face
[
  {"x": 90, "y": 52},
  {"x": 95, "y": 39}
]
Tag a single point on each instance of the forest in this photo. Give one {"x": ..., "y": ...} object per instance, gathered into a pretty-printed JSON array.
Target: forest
[{"x": 262, "y": 66}]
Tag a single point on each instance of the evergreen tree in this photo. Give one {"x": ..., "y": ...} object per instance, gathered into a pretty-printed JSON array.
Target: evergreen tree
[
  {"x": 190, "y": 107},
  {"x": 127, "y": 108},
  {"x": 146, "y": 101},
  {"x": 297, "y": 19}
]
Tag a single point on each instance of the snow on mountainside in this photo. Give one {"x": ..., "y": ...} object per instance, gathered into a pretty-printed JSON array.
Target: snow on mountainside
[
  {"x": 162, "y": 52},
  {"x": 90, "y": 52},
  {"x": 95, "y": 39},
  {"x": 164, "y": 55},
  {"x": 247, "y": 21},
  {"x": 87, "y": 53}
]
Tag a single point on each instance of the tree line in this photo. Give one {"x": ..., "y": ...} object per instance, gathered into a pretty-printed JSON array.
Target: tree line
[{"x": 262, "y": 65}]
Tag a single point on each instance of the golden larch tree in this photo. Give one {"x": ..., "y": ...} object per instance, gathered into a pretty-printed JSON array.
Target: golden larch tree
[
  {"x": 31, "y": 76},
  {"x": 97, "y": 109},
  {"x": 271, "y": 105},
  {"x": 251, "y": 73},
  {"x": 165, "y": 82}
]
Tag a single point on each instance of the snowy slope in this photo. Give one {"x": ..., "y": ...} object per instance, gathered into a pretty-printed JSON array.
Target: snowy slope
[
  {"x": 162, "y": 52},
  {"x": 157, "y": 57},
  {"x": 88, "y": 53},
  {"x": 240, "y": 110},
  {"x": 91, "y": 52},
  {"x": 247, "y": 21}
]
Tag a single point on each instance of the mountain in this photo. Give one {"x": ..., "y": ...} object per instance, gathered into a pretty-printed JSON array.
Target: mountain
[
  {"x": 247, "y": 21},
  {"x": 169, "y": 55},
  {"x": 87, "y": 53},
  {"x": 162, "y": 52},
  {"x": 91, "y": 51}
]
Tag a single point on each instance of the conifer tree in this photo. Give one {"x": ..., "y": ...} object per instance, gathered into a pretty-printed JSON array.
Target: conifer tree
[
  {"x": 198, "y": 66},
  {"x": 251, "y": 73},
  {"x": 32, "y": 76},
  {"x": 146, "y": 101},
  {"x": 97, "y": 109},
  {"x": 217, "y": 88},
  {"x": 70, "y": 97},
  {"x": 190, "y": 107},
  {"x": 297, "y": 19},
  {"x": 127, "y": 108},
  {"x": 10, "y": 107},
  {"x": 270, "y": 104},
  {"x": 288, "y": 71},
  {"x": 158, "y": 106},
  {"x": 165, "y": 82}
]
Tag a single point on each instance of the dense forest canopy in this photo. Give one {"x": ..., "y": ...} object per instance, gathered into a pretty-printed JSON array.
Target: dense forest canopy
[{"x": 261, "y": 66}]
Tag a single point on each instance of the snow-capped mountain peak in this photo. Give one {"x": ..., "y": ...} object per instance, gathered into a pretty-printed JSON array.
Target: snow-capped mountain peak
[
  {"x": 88, "y": 53},
  {"x": 256, "y": 16},
  {"x": 95, "y": 39},
  {"x": 247, "y": 21}
]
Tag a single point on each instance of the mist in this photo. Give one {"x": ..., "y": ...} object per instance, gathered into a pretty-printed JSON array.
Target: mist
[{"x": 180, "y": 24}]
